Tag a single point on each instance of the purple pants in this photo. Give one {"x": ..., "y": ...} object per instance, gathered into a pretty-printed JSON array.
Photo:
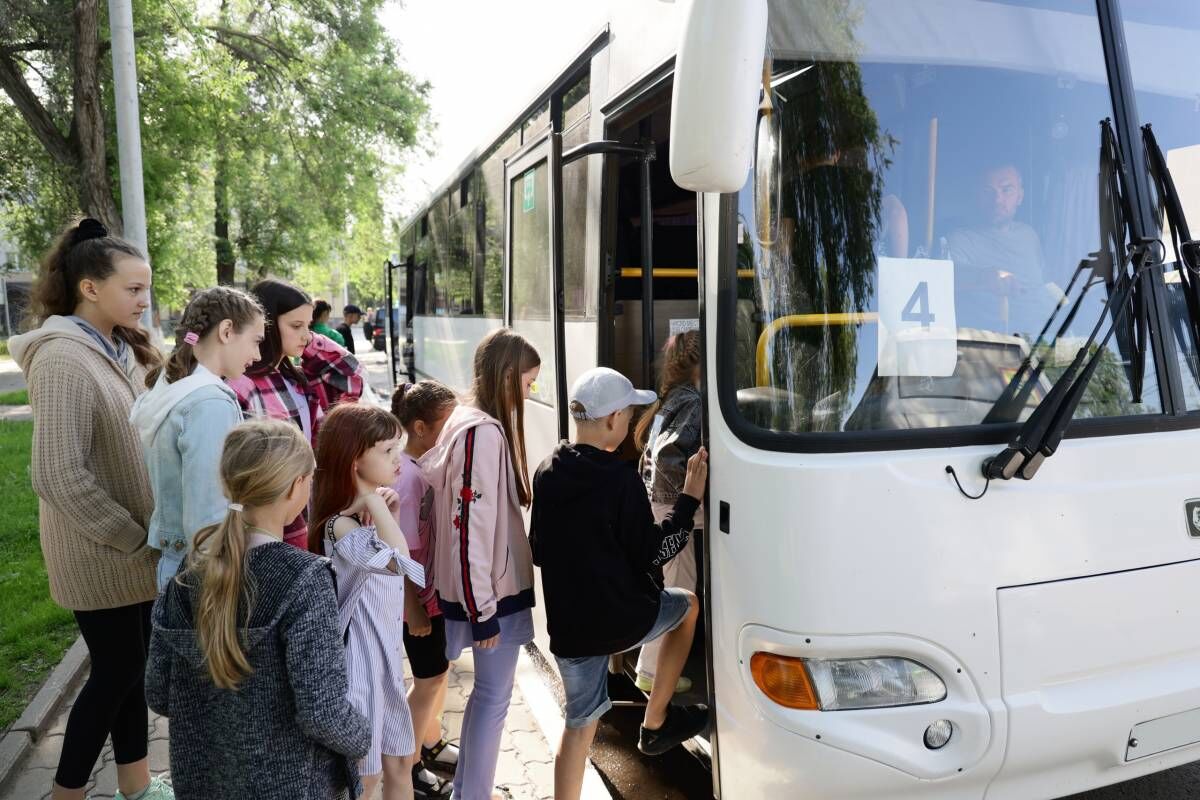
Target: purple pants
[{"x": 487, "y": 707}]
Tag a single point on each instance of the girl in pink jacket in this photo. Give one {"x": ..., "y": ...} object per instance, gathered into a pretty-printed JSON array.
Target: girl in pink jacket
[{"x": 483, "y": 570}]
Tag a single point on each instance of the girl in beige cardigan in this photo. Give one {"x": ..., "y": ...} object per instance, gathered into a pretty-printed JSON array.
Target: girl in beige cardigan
[{"x": 85, "y": 365}]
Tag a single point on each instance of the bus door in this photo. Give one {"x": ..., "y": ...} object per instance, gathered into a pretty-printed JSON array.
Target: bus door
[
  {"x": 530, "y": 309},
  {"x": 651, "y": 295}
]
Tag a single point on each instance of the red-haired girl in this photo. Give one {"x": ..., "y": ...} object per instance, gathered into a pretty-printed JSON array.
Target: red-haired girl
[{"x": 358, "y": 458}]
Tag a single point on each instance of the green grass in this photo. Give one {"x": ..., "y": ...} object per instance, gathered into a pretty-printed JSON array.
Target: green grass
[
  {"x": 34, "y": 632},
  {"x": 18, "y": 398}
]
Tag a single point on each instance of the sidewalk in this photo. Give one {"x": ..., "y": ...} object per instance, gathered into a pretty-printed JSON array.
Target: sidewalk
[{"x": 526, "y": 764}]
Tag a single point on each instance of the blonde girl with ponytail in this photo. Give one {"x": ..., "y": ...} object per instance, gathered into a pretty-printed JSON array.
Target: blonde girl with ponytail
[
  {"x": 183, "y": 419},
  {"x": 245, "y": 655}
]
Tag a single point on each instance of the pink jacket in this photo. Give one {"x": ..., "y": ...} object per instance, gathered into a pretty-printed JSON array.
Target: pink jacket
[{"x": 483, "y": 569}]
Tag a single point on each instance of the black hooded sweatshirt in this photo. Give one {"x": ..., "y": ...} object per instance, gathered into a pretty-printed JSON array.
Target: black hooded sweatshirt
[{"x": 593, "y": 535}]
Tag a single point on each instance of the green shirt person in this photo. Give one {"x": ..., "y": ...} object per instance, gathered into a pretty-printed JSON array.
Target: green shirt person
[{"x": 320, "y": 323}]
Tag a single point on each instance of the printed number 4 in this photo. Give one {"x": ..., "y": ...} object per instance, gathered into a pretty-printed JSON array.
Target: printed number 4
[{"x": 917, "y": 307}]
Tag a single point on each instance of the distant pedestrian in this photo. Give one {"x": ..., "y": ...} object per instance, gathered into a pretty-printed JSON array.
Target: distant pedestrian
[
  {"x": 276, "y": 387},
  {"x": 183, "y": 419},
  {"x": 422, "y": 410},
  {"x": 85, "y": 365},
  {"x": 594, "y": 536},
  {"x": 351, "y": 314},
  {"x": 483, "y": 571},
  {"x": 320, "y": 322},
  {"x": 246, "y": 659},
  {"x": 353, "y": 523}
]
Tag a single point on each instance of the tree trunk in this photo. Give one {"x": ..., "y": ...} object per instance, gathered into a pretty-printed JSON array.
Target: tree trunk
[
  {"x": 225, "y": 257},
  {"x": 87, "y": 126}
]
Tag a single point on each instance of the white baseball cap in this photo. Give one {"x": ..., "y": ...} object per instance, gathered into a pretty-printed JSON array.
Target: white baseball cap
[{"x": 602, "y": 391}]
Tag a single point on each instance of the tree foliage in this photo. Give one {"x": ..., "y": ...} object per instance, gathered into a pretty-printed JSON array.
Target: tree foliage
[{"x": 268, "y": 131}]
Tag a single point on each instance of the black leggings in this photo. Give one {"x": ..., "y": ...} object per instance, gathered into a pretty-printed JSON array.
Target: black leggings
[{"x": 114, "y": 698}]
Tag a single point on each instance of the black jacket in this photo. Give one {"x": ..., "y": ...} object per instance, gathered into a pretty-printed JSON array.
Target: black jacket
[
  {"x": 594, "y": 536},
  {"x": 347, "y": 335}
]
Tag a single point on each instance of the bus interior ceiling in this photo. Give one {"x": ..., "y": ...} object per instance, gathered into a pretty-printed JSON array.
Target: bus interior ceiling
[{"x": 676, "y": 297}]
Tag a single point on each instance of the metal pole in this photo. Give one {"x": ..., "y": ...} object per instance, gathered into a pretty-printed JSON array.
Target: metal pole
[
  {"x": 129, "y": 133},
  {"x": 391, "y": 340},
  {"x": 558, "y": 306},
  {"x": 647, "y": 274}
]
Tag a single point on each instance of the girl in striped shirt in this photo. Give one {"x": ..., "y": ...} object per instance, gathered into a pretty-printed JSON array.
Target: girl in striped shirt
[{"x": 358, "y": 458}]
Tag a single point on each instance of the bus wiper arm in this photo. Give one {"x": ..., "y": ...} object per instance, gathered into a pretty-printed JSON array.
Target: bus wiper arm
[
  {"x": 1016, "y": 394},
  {"x": 1041, "y": 434}
]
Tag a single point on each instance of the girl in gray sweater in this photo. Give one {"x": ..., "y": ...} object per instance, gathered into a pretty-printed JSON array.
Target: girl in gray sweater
[{"x": 245, "y": 656}]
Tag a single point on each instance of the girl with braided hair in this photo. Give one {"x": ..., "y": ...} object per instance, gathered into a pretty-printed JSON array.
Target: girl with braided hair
[
  {"x": 85, "y": 364},
  {"x": 182, "y": 421},
  {"x": 668, "y": 434}
]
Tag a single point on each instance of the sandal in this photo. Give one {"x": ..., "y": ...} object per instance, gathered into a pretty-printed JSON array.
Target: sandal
[
  {"x": 427, "y": 786},
  {"x": 442, "y": 756}
]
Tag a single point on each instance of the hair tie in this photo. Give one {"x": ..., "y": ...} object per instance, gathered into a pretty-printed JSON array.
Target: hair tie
[
  {"x": 191, "y": 337},
  {"x": 238, "y": 507},
  {"x": 90, "y": 229}
]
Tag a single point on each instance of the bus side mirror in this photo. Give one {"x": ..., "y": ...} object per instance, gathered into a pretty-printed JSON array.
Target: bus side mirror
[{"x": 714, "y": 101}]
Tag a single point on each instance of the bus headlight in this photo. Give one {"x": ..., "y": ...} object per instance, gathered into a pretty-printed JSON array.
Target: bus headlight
[{"x": 843, "y": 684}]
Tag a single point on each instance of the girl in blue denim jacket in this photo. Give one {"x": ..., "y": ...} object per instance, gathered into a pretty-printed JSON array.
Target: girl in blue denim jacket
[{"x": 183, "y": 419}]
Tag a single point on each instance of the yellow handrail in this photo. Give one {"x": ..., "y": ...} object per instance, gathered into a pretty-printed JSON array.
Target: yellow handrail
[
  {"x": 762, "y": 378},
  {"x": 675, "y": 272}
]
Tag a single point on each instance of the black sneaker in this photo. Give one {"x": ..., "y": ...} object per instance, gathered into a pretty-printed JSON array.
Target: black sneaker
[
  {"x": 681, "y": 724},
  {"x": 427, "y": 786}
]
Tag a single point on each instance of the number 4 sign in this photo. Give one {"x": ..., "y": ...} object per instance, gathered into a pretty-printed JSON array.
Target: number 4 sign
[{"x": 918, "y": 333}]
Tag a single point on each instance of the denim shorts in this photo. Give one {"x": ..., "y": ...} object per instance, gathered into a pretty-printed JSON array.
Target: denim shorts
[{"x": 585, "y": 680}]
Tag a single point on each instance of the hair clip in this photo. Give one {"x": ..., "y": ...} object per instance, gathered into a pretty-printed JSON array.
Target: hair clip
[
  {"x": 191, "y": 338},
  {"x": 238, "y": 507}
]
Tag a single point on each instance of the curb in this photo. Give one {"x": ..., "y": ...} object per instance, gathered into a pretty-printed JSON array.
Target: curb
[
  {"x": 39, "y": 714},
  {"x": 16, "y": 413},
  {"x": 545, "y": 709}
]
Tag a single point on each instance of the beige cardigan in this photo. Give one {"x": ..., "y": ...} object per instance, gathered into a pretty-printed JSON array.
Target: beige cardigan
[{"x": 88, "y": 470}]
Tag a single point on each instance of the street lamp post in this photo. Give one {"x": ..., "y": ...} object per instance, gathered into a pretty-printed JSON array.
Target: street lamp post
[{"x": 129, "y": 133}]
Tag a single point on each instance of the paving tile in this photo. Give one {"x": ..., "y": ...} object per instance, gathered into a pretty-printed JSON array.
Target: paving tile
[{"x": 525, "y": 764}]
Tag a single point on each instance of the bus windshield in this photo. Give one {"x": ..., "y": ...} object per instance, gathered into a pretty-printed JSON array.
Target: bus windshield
[{"x": 922, "y": 221}]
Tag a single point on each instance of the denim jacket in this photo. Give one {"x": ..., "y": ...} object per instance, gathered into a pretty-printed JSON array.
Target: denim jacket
[{"x": 182, "y": 426}]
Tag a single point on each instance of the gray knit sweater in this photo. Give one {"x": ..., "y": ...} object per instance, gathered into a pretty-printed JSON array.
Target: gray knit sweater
[{"x": 288, "y": 731}]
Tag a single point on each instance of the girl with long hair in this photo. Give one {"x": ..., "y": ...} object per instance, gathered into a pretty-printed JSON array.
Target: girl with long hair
[
  {"x": 422, "y": 409},
  {"x": 483, "y": 570},
  {"x": 85, "y": 365},
  {"x": 183, "y": 419},
  {"x": 276, "y": 387},
  {"x": 668, "y": 434},
  {"x": 358, "y": 458},
  {"x": 246, "y": 657}
]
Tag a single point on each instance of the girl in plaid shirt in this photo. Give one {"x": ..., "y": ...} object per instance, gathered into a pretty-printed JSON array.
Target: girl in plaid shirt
[{"x": 277, "y": 388}]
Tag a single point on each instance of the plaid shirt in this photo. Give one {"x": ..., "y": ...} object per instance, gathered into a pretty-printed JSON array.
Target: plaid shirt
[{"x": 331, "y": 374}]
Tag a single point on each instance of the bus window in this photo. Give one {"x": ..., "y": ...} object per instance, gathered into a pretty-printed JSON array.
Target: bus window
[
  {"x": 1162, "y": 38},
  {"x": 925, "y": 191},
  {"x": 531, "y": 288}
]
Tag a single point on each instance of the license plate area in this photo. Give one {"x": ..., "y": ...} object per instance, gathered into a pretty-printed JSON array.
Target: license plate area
[{"x": 1162, "y": 734}]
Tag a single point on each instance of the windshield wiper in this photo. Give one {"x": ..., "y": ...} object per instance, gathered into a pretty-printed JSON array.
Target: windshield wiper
[
  {"x": 1016, "y": 393},
  {"x": 1040, "y": 435},
  {"x": 1186, "y": 248}
]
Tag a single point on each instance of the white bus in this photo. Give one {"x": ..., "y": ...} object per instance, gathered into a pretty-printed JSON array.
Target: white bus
[{"x": 896, "y": 223}]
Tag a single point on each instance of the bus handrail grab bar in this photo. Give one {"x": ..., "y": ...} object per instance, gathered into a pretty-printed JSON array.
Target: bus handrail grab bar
[{"x": 761, "y": 373}]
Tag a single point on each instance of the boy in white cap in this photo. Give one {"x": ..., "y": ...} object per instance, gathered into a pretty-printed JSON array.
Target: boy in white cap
[{"x": 594, "y": 536}]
